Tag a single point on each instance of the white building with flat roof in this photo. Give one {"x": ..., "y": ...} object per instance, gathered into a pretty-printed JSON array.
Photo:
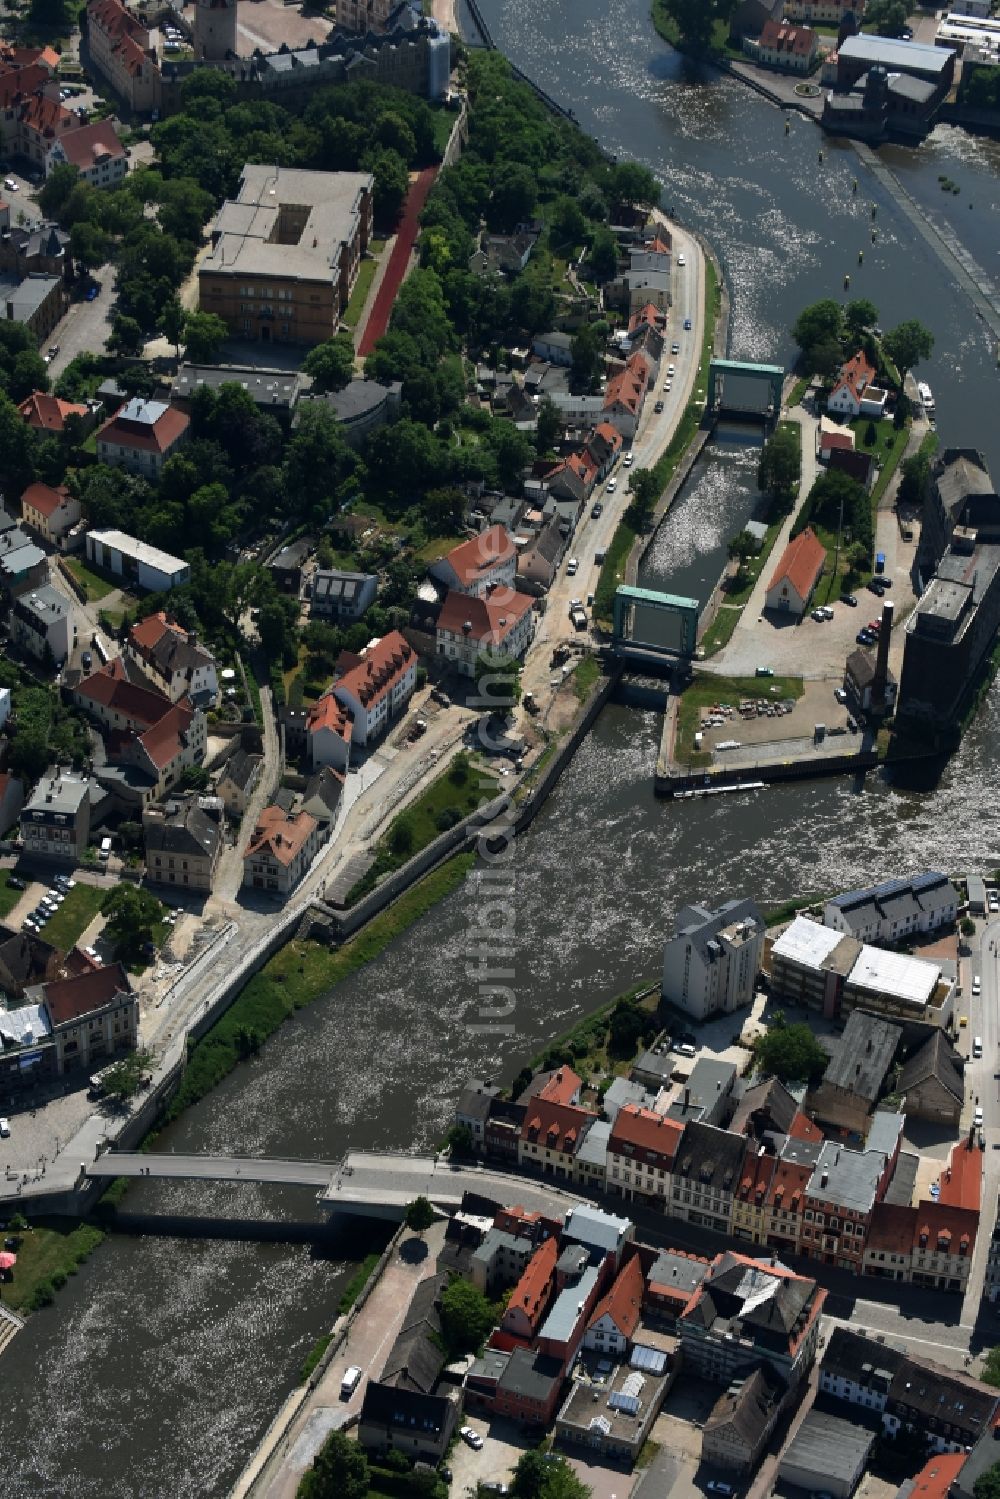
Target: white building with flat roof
[{"x": 136, "y": 561}]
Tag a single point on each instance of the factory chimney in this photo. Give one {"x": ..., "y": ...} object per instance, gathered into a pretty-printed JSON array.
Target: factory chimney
[{"x": 881, "y": 678}]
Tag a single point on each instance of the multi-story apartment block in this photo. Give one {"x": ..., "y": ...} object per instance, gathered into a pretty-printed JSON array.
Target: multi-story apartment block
[
  {"x": 55, "y": 821},
  {"x": 711, "y": 964},
  {"x": 747, "y": 1312},
  {"x": 376, "y": 685},
  {"x": 500, "y": 624},
  {"x": 280, "y": 850},
  {"x": 642, "y": 1147},
  {"x": 895, "y": 909},
  {"x": 706, "y": 1171},
  {"x": 478, "y": 566}
]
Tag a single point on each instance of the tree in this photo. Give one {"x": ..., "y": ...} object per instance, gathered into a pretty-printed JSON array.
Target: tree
[
  {"x": 420, "y": 1215},
  {"x": 859, "y": 316},
  {"x": 603, "y": 255},
  {"x": 790, "y": 1053},
  {"x": 887, "y": 17},
  {"x": 498, "y": 681},
  {"x": 459, "y": 1140},
  {"x": 392, "y": 181},
  {"x": 126, "y": 336},
  {"x": 908, "y": 344},
  {"x": 173, "y": 320},
  {"x": 645, "y": 493},
  {"x": 90, "y": 245},
  {"x": 626, "y": 1028},
  {"x": 204, "y": 335},
  {"x": 987, "y": 1485},
  {"x": 632, "y": 185},
  {"x": 588, "y": 356},
  {"x": 549, "y": 427},
  {"x": 818, "y": 324},
  {"x": 779, "y": 466},
  {"x": 132, "y": 917},
  {"x": 331, "y": 364},
  {"x": 991, "y": 1369},
  {"x": 546, "y": 1475},
  {"x": 56, "y": 189},
  {"x": 123, "y": 1079},
  {"x": 467, "y": 1317},
  {"x": 567, "y": 225},
  {"x": 339, "y": 1472},
  {"x": 515, "y": 193}
]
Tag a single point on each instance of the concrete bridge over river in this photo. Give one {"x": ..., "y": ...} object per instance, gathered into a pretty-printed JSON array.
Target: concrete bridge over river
[{"x": 364, "y": 1183}]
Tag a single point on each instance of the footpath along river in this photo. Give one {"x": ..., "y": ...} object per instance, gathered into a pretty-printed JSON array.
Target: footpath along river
[{"x": 163, "y": 1361}]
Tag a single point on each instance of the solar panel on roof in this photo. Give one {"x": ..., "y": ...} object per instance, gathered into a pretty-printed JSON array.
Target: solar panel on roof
[{"x": 632, "y": 1384}]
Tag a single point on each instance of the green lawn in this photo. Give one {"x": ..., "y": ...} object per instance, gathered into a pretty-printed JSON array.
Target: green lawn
[
  {"x": 8, "y": 897},
  {"x": 586, "y": 675},
  {"x": 76, "y": 912},
  {"x": 45, "y": 1259},
  {"x": 444, "y": 798},
  {"x": 362, "y": 286},
  {"x": 887, "y": 440},
  {"x": 705, "y": 691},
  {"x": 436, "y": 547},
  {"x": 720, "y": 631},
  {"x": 444, "y": 124},
  {"x": 798, "y": 391},
  {"x": 95, "y": 586}
]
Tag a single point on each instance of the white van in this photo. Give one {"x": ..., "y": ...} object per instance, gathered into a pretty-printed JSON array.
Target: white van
[
  {"x": 350, "y": 1382},
  {"x": 105, "y": 849},
  {"x": 977, "y": 1047}
]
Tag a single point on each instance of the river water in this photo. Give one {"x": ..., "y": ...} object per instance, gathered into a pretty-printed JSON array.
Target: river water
[{"x": 165, "y": 1359}]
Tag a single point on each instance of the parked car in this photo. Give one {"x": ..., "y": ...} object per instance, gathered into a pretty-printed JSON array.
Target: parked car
[
  {"x": 977, "y": 1117},
  {"x": 864, "y": 637},
  {"x": 612, "y": 484},
  {"x": 14, "y": 883},
  {"x": 572, "y": 567},
  {"x": 86, "y": 660},
  {"x": 11, "y": 185},
  {"x": 977, "y": 985},
  {"x": 470, "y": 1435},
  {"x": 717, "y": 1486},
  {"x": 849, "y": 599},
  {"x": 681, "y": 260},
  {"x": 994, "y": 898},
  {"x": 91, "y": 294},
  {"x": 597, "y": 511},
  {"x": 627, "y": 460},
  {"x": 818, "y": 616},
  {"x": 658, "y": 407},
  {"x": 840, "y": 695},
  {"x": 438, "y": 695},
  {"x": 675, "y": 348},
  {"x": 764, "y": 671},
  {"x": 4, "y": 1129}
]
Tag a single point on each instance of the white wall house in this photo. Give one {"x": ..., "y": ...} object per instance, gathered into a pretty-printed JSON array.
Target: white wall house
[
  {"x": 485, "y": 562},
  {"x": 377, "y": 686},
  {"x": 502, "y": 624},
  {"x": 711, "y": 965}
]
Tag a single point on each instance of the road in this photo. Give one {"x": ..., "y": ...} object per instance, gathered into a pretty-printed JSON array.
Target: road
[
  {"x": 229, "y": 874},
  {"x": 982, "y": 1084},
  {"x": 655, "y": 431},
  {"x": 86, "y": 326},
  {"x": 213, "y": 1168}
]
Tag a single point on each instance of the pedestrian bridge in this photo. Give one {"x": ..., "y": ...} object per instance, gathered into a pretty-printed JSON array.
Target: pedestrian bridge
[{"x": 364, "y": 1183}]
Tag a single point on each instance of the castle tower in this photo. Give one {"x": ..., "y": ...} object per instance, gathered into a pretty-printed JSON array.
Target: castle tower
[{"x": 214, "y": 29}]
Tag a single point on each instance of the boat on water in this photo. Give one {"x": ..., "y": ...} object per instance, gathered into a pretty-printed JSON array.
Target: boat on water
[{"x": 926, "y": 397}]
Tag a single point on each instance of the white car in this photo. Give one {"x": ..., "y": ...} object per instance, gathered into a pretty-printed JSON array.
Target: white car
[
  {"x": 10, "y": 184},
  {"x": 977, "y": 985},
  {"x": 4, "y": 1129},
  {"x": 572, "y": 567},
  {"x": 612, "y": 485},
  {"x": 977, "y": 1118},
  {"x": 627, "y": 461},
  {"x": 671, "y": 371},
  {"x": 840, "y": 694},
  {"x": 681, "y": 260},
  {"x": 470, "y": 1435}
]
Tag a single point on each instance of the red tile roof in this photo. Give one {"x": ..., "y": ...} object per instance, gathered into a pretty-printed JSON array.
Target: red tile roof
[
  {"x": 961, "y": 1181},
  {"x": 480, "y": 554},
  {"x": 796, "y": 41},
  {"x": 149, "y": 437},
  {"x": 623, "y": 1302},
  {"x": 279, "y": 835},
  {"x": 45, "y": 499},
  {"x": 755, "y": 1176},
  {"x": 937, "y": 1475},
  {"x": 645, "y": 1130},
  {"x": 147, "y": 633},
  {"x": 490, "y": 619},
  {"x": 48, "y": 413},
  {"x": 802, "y": 1128},
  {"x": 18, "y": 84},
  {"x": 91, "y": 144},
  {"x": 375, "y": 673},
  {"x": 562, "y": 1087},
  {"x": 892, "y": 1227},
  {"x": 788, "y": 1185},
  {"x": 327, "y": 713},
  {"x": 163, "y": 741},
  {"x": 628, "y": 386},
  {"x": 142, "y": 706},
  {"x": 649, "y": 316},
  {"x": 609, "y": 433},
  {"x": 68, "y": 999},
  {"x": 801, "y": 563},
  {"x": 855, "y": 375},
  {"x": 950, "y": 1229},
  {"x": 830, "y": 440},
  {"x": 554, "y": 1126},
  {"x": 532, "y": 1290}
]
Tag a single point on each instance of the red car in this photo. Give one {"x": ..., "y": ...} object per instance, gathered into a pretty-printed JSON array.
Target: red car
[{"x": 875, "y": 624}]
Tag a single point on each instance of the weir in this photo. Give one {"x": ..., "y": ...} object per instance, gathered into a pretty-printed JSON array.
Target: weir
[{"x": 737, "y": 387}]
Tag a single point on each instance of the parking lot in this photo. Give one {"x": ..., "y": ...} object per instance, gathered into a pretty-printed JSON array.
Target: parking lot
[{"x": 503, "y": 1445}]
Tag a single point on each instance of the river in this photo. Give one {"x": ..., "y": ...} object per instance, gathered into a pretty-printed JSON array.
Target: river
[{"x": 164, "y": 1360}]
